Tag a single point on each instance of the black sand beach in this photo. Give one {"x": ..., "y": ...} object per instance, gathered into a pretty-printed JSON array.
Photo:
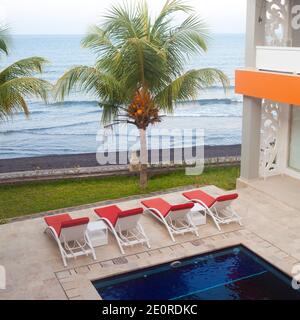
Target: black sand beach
[{"x": 89, "y": 159}]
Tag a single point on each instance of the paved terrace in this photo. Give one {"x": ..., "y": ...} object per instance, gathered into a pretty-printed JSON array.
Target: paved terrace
[{"x": 35, "y": 270}]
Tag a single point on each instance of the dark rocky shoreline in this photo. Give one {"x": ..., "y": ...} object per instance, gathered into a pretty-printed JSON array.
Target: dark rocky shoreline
[{"x": 89, "y": 159}]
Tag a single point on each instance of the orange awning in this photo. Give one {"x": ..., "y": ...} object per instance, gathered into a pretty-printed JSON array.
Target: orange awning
[{"x": 284, "y": 88}]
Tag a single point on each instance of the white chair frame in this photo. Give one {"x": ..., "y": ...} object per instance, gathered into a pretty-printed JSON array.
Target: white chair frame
[
  {"x": 71, "y": 248},
  {"x": 220, "y": 212},
  {"x": 130, "y": 236},
  {"x": 176, "y": 222}
]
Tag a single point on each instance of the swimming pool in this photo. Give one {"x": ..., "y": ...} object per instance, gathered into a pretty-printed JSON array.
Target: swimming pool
[{"x": 231, "y": 274}]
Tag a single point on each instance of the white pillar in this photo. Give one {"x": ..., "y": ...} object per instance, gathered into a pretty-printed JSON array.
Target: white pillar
[
  {"x": 255, "y": 34},
  {"x": 251, "y": 138}
]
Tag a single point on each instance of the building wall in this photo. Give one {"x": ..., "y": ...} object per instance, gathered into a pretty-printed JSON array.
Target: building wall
[{"x": 266, "y": 123}]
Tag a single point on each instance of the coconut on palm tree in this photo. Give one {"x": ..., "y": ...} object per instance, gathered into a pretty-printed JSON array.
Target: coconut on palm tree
[
  {"x": 17, "y": 82},
  {"x": 140, "y": 66}
]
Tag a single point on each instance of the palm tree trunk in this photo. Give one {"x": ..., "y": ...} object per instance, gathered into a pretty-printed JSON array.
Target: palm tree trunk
[{"x": 143, "y": 159}]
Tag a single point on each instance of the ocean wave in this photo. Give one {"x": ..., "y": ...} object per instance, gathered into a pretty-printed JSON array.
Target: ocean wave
[
  {"x": 205, "y": 116},
  {"x": 200, "y": 101},
  {"x": 212, "y": 101},
  {"x": 76, "y": 102},
  {"x": 32, "y": 130},
  {"x": 231, "y": 87}
]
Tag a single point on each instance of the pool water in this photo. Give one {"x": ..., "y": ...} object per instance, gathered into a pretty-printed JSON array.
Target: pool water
[{"x": 231, "y": 274}]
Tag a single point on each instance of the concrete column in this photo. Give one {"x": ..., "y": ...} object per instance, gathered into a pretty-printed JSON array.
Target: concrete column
[
  {"x": 255, "y": 30},
  {"x": 255, "y": 35},
  {"x": 251, "y": 138}
]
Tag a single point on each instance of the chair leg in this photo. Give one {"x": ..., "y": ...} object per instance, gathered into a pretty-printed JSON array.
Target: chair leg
[
  {"x": 239, "y": 219},
  {"x": 171, "y": 234},
  {"x": 51, "y": 231},
  {"x": 113, "y": 231},
  {"x": 214, "y": 219},
  {"x": 141, "y": 229},
  {"x": 118, "y": 241},
  {"x": 91, "y": 246},
  {"x": 62, "y": 255}
]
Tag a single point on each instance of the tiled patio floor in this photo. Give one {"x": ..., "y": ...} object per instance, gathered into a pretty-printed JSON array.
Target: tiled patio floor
[{"x": 35, "y": 271}]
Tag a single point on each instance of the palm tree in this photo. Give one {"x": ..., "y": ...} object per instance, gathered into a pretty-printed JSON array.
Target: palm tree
[
  {"x": 18, "y": 83},
  {"x": 140, "y": 66}
]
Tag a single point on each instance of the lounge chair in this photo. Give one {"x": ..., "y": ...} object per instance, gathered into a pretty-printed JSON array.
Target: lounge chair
[
  {"x": 70, "y": 235},
  {"x": 176, "y": 218},
  {"x": 219, "y": 208},
  {"x": 124, "y": 225}
]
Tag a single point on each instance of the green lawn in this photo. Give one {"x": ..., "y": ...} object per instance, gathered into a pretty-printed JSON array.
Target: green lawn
[{"x": 19, "y": 200}]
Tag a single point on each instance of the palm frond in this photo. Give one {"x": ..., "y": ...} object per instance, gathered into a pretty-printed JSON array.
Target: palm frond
[
  {"x": 144, "y": 18},
  {"x": 97, "y": 40},
  {"x": 121, "y": 19},
  {"x": 4, "y": 40},
  {"x": 190, "y": 36},
  {"x": 110, "y": 112},
  {"x": 171, "y": 6},
  {"x": 89, "y": 80},
  {"x": 23, "y": 68},
  {"x": 12, "y": 104},
  {"x": 186, "y": 86},
  {"x": 14, "y": 92}
]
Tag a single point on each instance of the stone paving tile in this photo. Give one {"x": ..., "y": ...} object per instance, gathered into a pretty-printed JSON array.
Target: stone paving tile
[
  {"x": 73, "y": 272},
  {"x": 82, "y": 270},
  {"x": 107, "y": 264},
  {"x": 63, "y": 274},
  {"x": 197, "y": 242},
  {"x": 95, "y": 267},
  {"x": 69, "y": 285},
  {"x": 132, "y": 258},
  {"x": 154, "y": 252},
  {"x": 281, "y": 255},
  {"x": 76, "y": 298},
  {"x": 72, "y": 293},
  {"x": 143, "y": 255},
  {"x": 290, "y": 260}
]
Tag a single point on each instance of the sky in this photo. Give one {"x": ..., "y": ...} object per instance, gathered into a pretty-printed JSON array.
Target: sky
[{"x": 75, "y": 16}]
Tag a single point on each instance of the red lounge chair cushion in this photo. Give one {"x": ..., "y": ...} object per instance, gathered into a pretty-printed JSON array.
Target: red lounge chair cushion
[
  {"x": 74, "y": 222},
  {"x": 164, "y": 207},
  {"x": 207, "y": 199},
  {"x": 111, "y": 213},
  {"x": 183, "y": 206},
  {"x": 56, "y": 221},
  {"x": 159, "y": 204},
  {"x": 227, "y": 197},
  {"x": 131, "y": 212}
]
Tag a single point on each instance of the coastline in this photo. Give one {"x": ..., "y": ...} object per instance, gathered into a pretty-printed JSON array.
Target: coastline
[{"x": 86, "y": 160}]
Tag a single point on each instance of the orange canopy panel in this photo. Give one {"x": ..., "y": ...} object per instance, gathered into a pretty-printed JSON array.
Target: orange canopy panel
[{"x": 278, "y": 87}]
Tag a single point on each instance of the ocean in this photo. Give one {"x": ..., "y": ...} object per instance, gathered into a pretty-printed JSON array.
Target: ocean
[{"x": 71, "y": 127}]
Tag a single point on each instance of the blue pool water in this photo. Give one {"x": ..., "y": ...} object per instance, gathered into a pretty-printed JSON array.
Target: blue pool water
[{"x": 231, "y": 274}]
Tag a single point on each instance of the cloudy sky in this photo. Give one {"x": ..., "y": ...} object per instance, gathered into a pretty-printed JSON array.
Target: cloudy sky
[{"x": 74, "y": 16}]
